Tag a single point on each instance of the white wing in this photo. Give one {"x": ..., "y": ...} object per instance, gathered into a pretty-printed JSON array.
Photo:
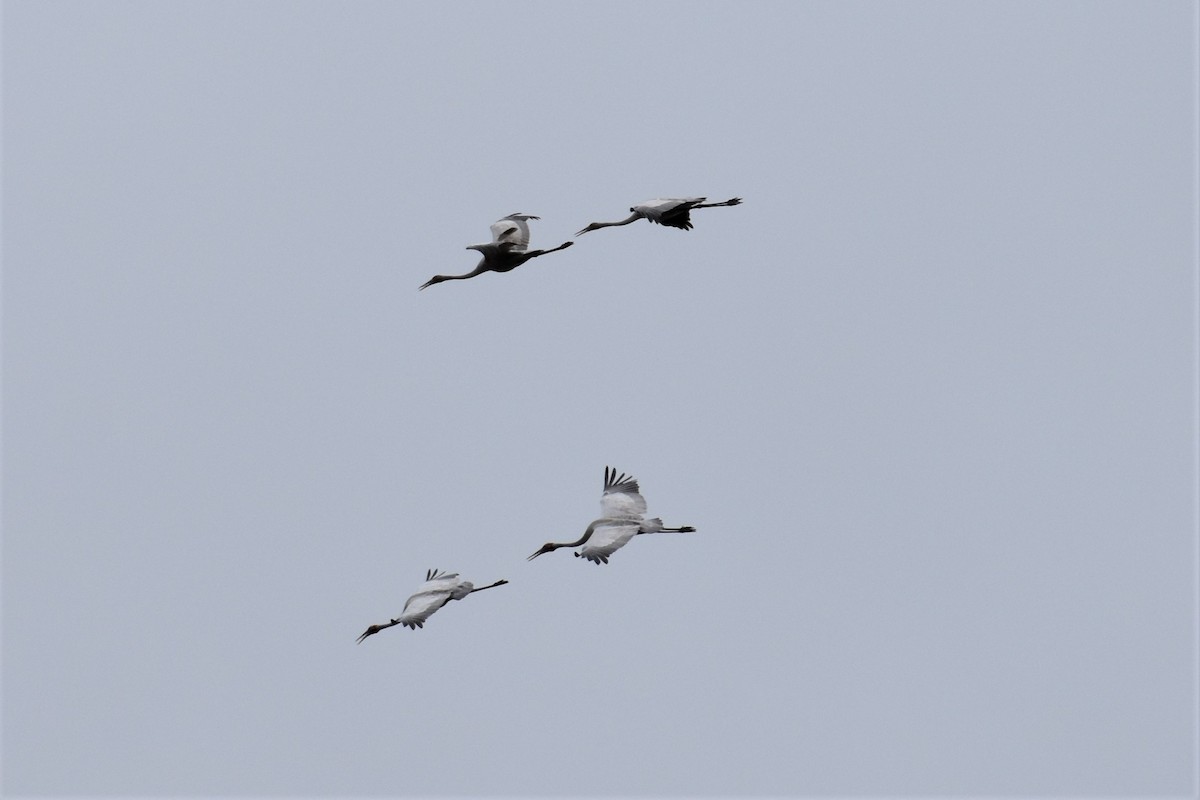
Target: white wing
[
  {"x": 438, "y": 590},
  {"x": 621, "y": 499},
  {"x": 661, "y": 207},
  {"x": 607, "y": 538},
  {"x": 512, "y": 231}
]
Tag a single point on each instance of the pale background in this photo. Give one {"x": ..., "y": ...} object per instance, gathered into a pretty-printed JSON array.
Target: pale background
[{"x": 928, "y": 395}]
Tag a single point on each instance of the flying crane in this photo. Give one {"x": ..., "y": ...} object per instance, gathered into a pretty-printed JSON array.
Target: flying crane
[
  {"x": 672, "y": 212},
  {"x": 622, "y": 516},
  {"x": 507, "y": 250},
  {"x": 439, "y": 588}
]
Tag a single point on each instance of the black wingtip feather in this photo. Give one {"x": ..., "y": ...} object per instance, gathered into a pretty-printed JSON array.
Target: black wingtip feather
[{"x": 613, "y": 480}]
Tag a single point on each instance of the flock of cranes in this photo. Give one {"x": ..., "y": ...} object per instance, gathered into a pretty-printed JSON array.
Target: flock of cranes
[
  {"x": 622, "y": 507},
  {"x": 508, "y": 248}
]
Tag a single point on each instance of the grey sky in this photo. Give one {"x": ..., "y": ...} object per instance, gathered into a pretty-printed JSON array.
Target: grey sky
[{"x": 928, "y": 396}]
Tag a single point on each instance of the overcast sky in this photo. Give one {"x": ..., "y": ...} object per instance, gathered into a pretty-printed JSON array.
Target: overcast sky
[{"x": 928, "y": 395}]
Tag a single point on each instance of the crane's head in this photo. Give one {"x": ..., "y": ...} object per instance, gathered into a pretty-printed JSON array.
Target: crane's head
[
  {"x": 548, "y": 547},
  {"x": 371, "y": 631}
]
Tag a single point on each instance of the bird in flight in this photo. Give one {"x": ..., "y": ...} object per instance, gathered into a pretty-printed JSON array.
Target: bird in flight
[
  {"x": 672, "y": 212},
  {"x": 439, "y": 588},
  {"x": 505, "y": 252},
  {"x": 622, "y": 516}
]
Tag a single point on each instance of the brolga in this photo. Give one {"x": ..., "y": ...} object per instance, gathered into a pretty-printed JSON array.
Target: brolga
[
  {"x": 675, "y": 212},
  {"x": 622, "y": 516},
  {"x": 507, "y": 250},
  {"x": 439, "y": 588}
]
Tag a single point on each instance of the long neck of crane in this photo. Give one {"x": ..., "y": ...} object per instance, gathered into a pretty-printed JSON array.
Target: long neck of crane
[
  {"x": 586, "y": 535},
  {"x": 634, "y": 217}
]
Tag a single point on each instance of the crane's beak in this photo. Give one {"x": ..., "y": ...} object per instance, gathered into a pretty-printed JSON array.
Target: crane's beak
[{"x": 538, "y": 553}]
